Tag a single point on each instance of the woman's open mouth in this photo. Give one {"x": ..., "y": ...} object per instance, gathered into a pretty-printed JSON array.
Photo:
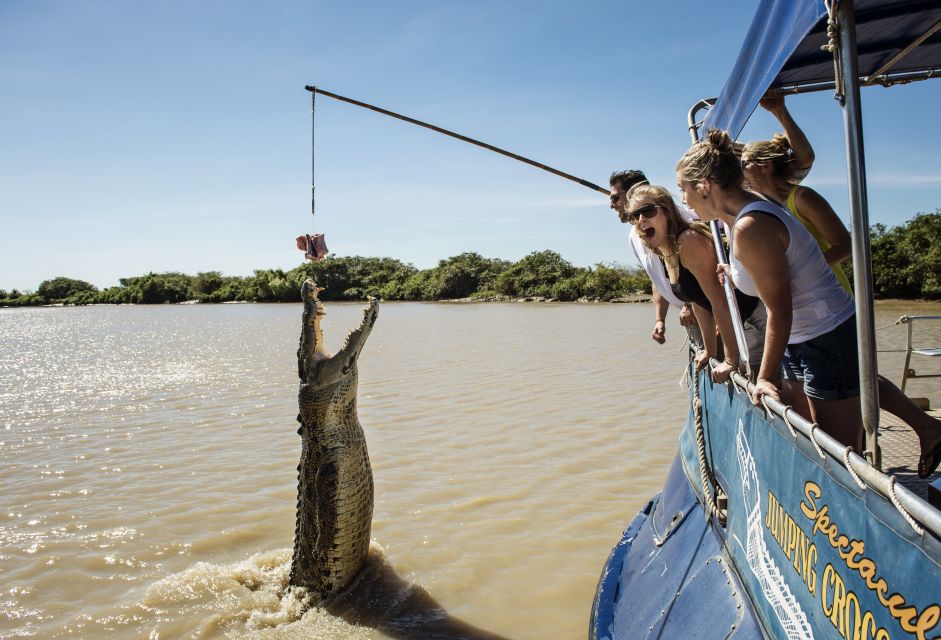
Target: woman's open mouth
[{"x": 649, "y": 232}]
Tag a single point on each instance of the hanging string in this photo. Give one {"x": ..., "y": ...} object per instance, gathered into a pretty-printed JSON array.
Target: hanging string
[
  {"x": 313, "y": 245},
  {"x": 313, "y": 187}
]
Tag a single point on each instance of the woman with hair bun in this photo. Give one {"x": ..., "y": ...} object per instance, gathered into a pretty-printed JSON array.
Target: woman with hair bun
[
  {"x": 686, "y": 258},
  {"x": 811, "y": 324}
]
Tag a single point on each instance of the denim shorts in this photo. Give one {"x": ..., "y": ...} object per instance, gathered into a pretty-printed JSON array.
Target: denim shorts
[{"x": 828, "y": 364}]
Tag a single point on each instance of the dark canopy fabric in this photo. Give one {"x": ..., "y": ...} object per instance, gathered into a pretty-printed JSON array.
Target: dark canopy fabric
[{"x": 783, "y": 49}]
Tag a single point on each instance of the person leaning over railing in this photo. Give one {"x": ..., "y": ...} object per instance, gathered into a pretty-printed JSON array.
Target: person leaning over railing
[
  {"x": 687, "y": 257},
  {"x": 770, "y": 168},
  {"x": 811, "y": 326},
  {"x": 621, "y": 182}
]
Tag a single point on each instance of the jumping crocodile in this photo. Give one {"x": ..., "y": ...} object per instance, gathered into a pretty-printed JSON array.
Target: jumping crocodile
[{"x": 334, "y": 482}]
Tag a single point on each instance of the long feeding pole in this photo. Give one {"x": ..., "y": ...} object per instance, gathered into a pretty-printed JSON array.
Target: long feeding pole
[{"x": 490, "y": 147}]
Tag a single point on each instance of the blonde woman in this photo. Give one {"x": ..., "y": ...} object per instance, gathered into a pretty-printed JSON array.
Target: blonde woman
[
  {"x": 688, "y": 262},
  {"x": 621, "y": 183},
  {"x": 770, "y": 167},
  {"x": 811, "y": 326}
]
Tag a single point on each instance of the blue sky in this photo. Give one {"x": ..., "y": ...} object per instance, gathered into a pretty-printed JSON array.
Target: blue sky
[{"x": 175, "y": 136}]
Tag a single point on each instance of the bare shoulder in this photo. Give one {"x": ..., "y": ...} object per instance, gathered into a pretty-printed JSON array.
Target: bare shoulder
[
  {"x": 807, "y": 196},
  {"x": 696, "y": 248},
  {"x": 756, "y": 223},
  {"x": 760, "y": 230},
  {"x": 692, "y": 240}
]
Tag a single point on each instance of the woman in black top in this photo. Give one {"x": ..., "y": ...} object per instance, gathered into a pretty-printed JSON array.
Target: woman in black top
[{"x": 688, "y": 256}]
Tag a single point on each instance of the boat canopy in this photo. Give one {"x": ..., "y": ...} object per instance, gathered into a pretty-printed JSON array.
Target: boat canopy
[{"x": 785, "y": 49}]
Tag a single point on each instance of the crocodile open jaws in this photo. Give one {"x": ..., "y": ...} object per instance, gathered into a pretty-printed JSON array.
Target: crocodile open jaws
[{"x": 334, "y": 483}]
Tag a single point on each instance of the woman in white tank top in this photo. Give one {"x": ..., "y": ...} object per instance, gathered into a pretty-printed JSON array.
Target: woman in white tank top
[{"x": 811, "y": 320}]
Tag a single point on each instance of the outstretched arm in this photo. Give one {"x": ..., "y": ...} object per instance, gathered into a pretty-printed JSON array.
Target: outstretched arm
[
  {"x": 707, "y": 327},
  {"x": 660, "y": 306},
  {"x": 803, "y": 151}
]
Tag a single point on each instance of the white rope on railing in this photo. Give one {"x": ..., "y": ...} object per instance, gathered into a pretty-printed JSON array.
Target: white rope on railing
[
  {"x": 855, "y": 476},
  {"x": 898, "y": 505},
  {"x": 787, "y": 420},
  {"x": 813, "y": 440},
  {"x": 918, "y": 513},
  {"x": 768, "y": 413},
  {"x": 901, "y": 320}
]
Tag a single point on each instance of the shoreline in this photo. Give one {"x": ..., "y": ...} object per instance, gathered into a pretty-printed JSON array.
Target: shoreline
[{"x": 885, "y": 304}]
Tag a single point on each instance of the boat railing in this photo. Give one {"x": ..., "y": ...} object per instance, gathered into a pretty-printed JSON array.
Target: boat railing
[
  {"x": 918, "y": 513},
  {"x": 907, "y": 371}
]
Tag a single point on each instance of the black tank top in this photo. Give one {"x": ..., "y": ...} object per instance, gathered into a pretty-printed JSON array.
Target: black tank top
[{"x": 687, "y": 289}]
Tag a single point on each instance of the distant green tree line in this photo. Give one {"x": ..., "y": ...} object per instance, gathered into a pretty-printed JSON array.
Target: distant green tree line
[
  {"x": 906, "y": 260},
  {"x": 906, "y": 264},
  {"x": 542, "y": 274}
]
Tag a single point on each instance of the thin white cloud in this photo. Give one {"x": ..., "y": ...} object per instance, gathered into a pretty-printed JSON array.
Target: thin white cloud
[{"x": 881, "y": 180}]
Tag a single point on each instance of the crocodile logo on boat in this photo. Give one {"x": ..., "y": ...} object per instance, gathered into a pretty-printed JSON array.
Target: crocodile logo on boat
[
  {"x": 786, "y": 607},
  {"x": 334, "y": 483}
]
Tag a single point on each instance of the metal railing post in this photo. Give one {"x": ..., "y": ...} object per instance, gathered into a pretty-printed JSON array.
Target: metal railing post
[
  {"x": 908, "y": 355},
  {"x": 737, "y": 325},
  {"x": 859, "y": 207}
]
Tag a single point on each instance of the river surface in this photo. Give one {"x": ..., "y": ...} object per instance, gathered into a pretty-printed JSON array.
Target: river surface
[{"x": 148, "y": 464}]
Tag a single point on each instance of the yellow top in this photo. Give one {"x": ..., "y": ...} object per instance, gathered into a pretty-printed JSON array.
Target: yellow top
[{"x": 822, "y": 242}]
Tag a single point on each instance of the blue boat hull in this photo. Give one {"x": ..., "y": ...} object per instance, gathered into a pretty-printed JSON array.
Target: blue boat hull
[
  {"x": 669, "y": 577},
  {"x": 805, "y": 551}
]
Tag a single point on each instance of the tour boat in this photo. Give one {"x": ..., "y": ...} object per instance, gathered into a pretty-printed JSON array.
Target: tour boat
[{"x": 767, "y": 527}]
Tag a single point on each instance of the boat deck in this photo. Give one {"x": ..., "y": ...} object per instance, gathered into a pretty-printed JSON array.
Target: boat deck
[{"x": 900, "y": 452}]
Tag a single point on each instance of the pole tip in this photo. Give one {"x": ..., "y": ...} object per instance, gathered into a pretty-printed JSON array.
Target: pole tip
[{"x": 310, "y": 88}]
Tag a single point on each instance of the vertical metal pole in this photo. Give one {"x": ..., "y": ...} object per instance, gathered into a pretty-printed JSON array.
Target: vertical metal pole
[
  {"x": 859, "y": 207},
  {"x": 313, "y": 188},
  {"x": 737, "y": 324}
]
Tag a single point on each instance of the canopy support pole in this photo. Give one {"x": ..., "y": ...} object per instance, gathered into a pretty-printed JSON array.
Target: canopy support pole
[{"x": 859, "y": 207}]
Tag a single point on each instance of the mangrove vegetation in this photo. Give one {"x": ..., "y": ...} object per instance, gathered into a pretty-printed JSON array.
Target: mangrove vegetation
[{"x": 906, "y": 264}]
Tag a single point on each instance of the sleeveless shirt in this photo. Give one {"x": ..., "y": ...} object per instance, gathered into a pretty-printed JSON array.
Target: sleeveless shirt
[
  {"x": 821, "y": 241},
  {"x": 687, "y": 289},
  {"x": 819, "y": 304}
]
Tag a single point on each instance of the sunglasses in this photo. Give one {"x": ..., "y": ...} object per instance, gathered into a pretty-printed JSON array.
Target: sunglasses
[{"x": 648, "y": 211}]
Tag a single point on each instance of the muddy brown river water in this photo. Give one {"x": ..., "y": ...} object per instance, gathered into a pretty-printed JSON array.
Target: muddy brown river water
[{"x": 148, "y": 454}]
